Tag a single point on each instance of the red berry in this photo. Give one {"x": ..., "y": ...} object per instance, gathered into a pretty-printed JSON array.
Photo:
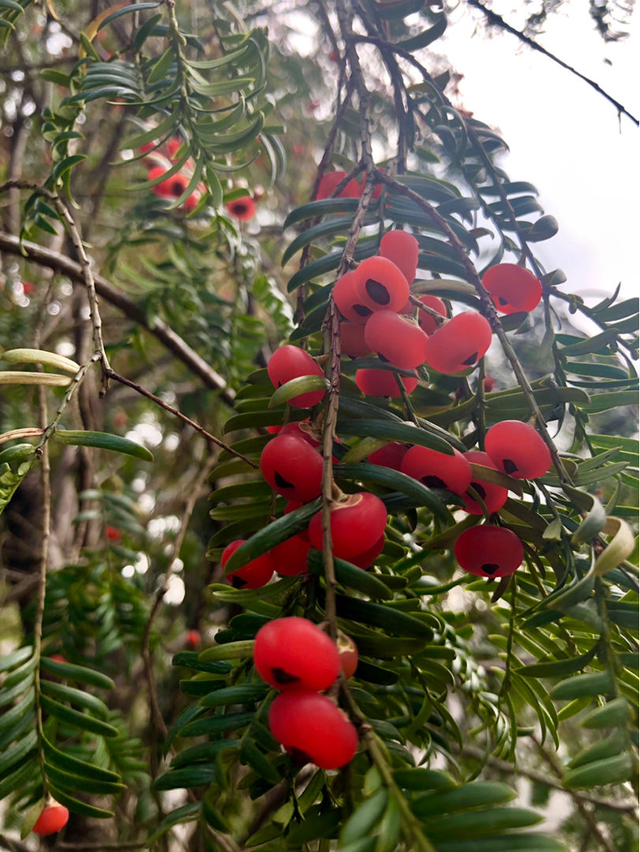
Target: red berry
[
  {"x": 458, "y": 343},
  {"x": 294, "y": 654},
  {"x": 357, "y": 522},
  {"x": 58, "y": 658},
  {"x": 290, "y": 556},
  {"x": 389, "y": 456},
  {"x": 381, "y": 285},
  {"x": 348, "y": 653},
  {"x": 273, "y": 430},
  {"x": 396, "y": 339},
  {"x": 489, "y": 383},
  {"x": 352, "y": 340},
  {"x": 173, "y": 187},
  {"x": 192, "y": 638},
  {"x": 290, "y": 362},
  {"x": 27, "y": 288},
  {"x": 513, "y": 288},
  {"x": 493, "y": 496},
  {"x": 518, "y": 449},
  {"x": 243, "y": 209},
  {"x": 113, "y": 533},
  {"x": 253, "y": 575},
  {"x": 328, "y": 183},
  {"x": 302, "y": 429},
  {"x": 489, "y": 551},
  {"x": 428, "y": 323},
  {"x": 365, "y": 560},
  {"x": 312, "y": 729},
  {"x": 383, "y": 383},
  {"x": 438, "y": 470},
  {"x": 52, "y": 819},
  {"x": 292, "y": 467},
  {"x": 173, "y": 146},
  {"x": 402, "y": 249},
  {"x": 347, "y": 299}
]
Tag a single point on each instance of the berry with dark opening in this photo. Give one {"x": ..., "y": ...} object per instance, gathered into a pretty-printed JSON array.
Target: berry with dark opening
[
  {"x": 494, "y": 496},
  {"x": 352, "y": 342},
  {"x": 512, "y": 288},
  {"x": 312, "y": 729},
  {"x": 173, "y": 187},
  {"x": 295, "y": 654},
  {"x": 292, "y": 467},
  {"x": 348, "y": 654},
  {"x": 357, "y": 522},
  {"x": 243, "y": 209},
  {"x": 438, "y": 470},
  {"x": 290, "y": 362},
  {"x": 428, "y": 323},
  {"x": 192, "y": 638},
  {"x": 383, "y": 383},
  {"x": 459, "y": 343},
  {"x": 113, "y": 533},
  {"x": 52, "y": 819},
  {"x": 381, "y": 285},
  {"x": 518, "y": 449},
  {"x": 489, "y": 551},
  {"x": 365, "y": 560},
  {"x": 290, "y": 556},
  {"x": 402, "y": 249},
  {"x": 347, "y": 298},
  {"x": 396, "y": 339},
  {"x": 253, "y": 575},
  {"x": 390, "y": 456}
]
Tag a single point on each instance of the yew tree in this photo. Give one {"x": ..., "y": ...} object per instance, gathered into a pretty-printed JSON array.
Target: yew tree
[{"x": 318, "y": 487}]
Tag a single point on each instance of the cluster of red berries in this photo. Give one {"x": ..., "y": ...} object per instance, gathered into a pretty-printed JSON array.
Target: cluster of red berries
[
  {"x": 52, "y": 819},
  {"x": 298, "y": 658}
]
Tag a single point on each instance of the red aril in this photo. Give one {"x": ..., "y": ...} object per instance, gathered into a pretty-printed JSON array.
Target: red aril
[
  {"x": 428, "y": 323},
  {"x": 347, "y": 298},
  {"x": 113, "y": 533},
  {"x": 312, "y": 729},
  {"x": 290, "y": 557},
  {"x": 493, "y": 496},
  {"x": 273, "y": 430},
  {"x": 365, "y": 560},
  {"x": 294, "y": 653},
  {"x": 301, "y": 428},
  {"x": 352, "y": 342},
  {"x": 518, "y": 449},
  {"x": 438, "y": 470},
  {"x": 489, "y": 383},
  {"x": 289, "y": 362},
  {"x": 357, "y": 522},
  {"x": 389, "y": 456},
  {"x": 402, "y": 249},
  {"x": 381, "y": 285},
  {"x": 52, "y": 819},
  {"x": 489, "y": 551},
  {"x": 459, "y": 343},
  {"x": 328, "y": 183},
  {"x": 512, "y": 288},
  {"x": 253, "y": 575},
  {"x": 396, "y": 339},
  {"x": 383, "y": 383},
  {"x": 192, "y": 638},
  {"x": 173, "y": 187},
  {"x": 243, "y": 209},
  {"x": 292, "y": 467},
  {"x": 348, "y": 654}
]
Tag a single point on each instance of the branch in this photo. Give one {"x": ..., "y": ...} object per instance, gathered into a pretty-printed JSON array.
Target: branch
[
  {"x": 498, "y": 21},
  {"x": 35, "y": 253}
]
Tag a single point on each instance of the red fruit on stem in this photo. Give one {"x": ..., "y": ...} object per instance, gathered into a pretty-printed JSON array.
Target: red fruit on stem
[
  {"x": 173, "y": 187},
  {"x": 173, "y": 146},
  {"x": 243, "y": 209},
  {"x": 365, "y": 560},
  {"x": 518, "y": 449},
  {"x": 290, "y": 557},
  {"x": 292, "y": 467},
  {"x": 348, "y": 654},
  {"x": 428, "y": 323},
  {"x": 489, "y": 383},
  {"x": 390, "y": 456},
  {"x": 489, "y": 551},
  {"x": 357, "y": 522},
  {"x": 58, "y": 658},
  {"x": 113, "y": 533},
  {"x": 294, "y": 654},
  {"x": 274, "y": 430},
  {"x": 512, "y": 288},
  {"x": 383, "y": 383},
  {"x": 52, "y": 819},
  {"x": 290, "y": 362},
  {"x": 347, "y": 298},
  {"x": 438, "y": 470},
  {"x": 459, "y": 343},
  {"x": 192, "y": 638},
  {"x": 302, "y": 429},
  {"x": 312, "y": 729},
  {"x": 352, "y": 342},
  {"x": 402, "y": 249},
  {"x": 381, "y": 285},
  {"x": 395, "y": 339},
  {"x": 253, "y": 575},
  {"x": 493, "y": 496},
  {"x": 328, "y": 183}
]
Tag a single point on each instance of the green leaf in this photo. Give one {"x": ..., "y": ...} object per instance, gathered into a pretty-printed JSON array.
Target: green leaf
[
  {"x": 39, "y": 356},
  {"x": 612, "y": 770},
  {"x": 474, "y": 795},
  {"x": 611, "y": 715},
  {"x": 558, "y": 668},
  {"x": 320, "y": 208},
  {"x": 582, "y": 685},
  {"x": 601, "y": 750},
  {"x": 432, "y": 437},
  {"x": 365, "y": 818},
  {"x": 296, "y": 387},
  {"x": 507, "y": 843},
  {"x": 426, "y": 37},
  {"x": 247, "y": 693},
  {"x": 423, "y": 779},
  {"x": 619, "y": 548},
  {"x": 469, "y": 826},
  {"x": 318, "y": 822},
  {"x": 63, "y": 760},
  {"x": 186, "y": 813},
  {"x": 78, "y": 807},
  {"x": 228, "y": 651},
  {"x": 10, "y": 661},
  {"x": 196, "y": 775},
  {"x": 379, "y": 615},
  {"x": 16, "y": 377},
  {"x": 216, "y": 724},
  {"x": 134, "y": 7},
  {"x": 75, "y": 696},
  {"x": 77, "y": 719},
  {"x": 102, "y": 441},
  {"x": 252, "y": 755},
  {"x": 81, "y": 674},
  {"x": 351, "y": 576},
  {"x": 18, "y": 753},
  {"x": 69, "y": 781}
]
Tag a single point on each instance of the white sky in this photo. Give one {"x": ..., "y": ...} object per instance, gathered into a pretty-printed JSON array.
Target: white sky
[{"x": 564, "y": 137}]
